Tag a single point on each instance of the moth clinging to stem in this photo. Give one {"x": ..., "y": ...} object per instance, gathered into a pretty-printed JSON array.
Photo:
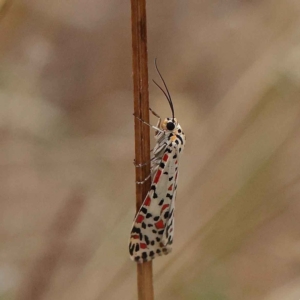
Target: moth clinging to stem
[{"x": 153, "y": 226}]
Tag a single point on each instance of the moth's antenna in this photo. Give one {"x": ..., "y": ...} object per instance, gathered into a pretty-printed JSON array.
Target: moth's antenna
[
  {"x": 161, "y": 90},
  {"x": 168, "y": 96}
]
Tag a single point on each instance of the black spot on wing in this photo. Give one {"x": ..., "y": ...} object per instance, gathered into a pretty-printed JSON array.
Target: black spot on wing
[
  {"x": 162, "y": 165},
  {"x": 179, "y": 137},
  {"x": 169, "y": 226},
  {"x": 147, "y": 240},
  {"x": 161, "y": 202},
  {"x": 156, "y": 218},
  {"x": 136, "y": 230},
  {"x": 137, "y": 247},
  {"x": 144, "y": 210},
  {"x": 131, "y": 248},
  {"x": 170, "y": 178}
]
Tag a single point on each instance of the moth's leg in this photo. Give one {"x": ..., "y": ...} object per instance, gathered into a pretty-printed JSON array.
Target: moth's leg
[
  {"x": 142, "y": 182},
  {"x": 158, "y": 148},
  {"x": 156, "y": 115},
  {"x": 144, "y": 164},
  {"x": 154, "y": 127},
  {"x": 141, "y": 165}
]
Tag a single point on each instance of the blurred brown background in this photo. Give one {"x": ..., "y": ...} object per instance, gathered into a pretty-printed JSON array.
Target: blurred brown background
[{"x": 67, "y": 178}]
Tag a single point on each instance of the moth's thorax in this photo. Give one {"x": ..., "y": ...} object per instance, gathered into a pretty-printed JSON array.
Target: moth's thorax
[{"x": 178, "y": 130}]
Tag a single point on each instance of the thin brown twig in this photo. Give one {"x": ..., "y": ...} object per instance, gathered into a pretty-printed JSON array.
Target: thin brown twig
[{"x": 142, "y": 132}]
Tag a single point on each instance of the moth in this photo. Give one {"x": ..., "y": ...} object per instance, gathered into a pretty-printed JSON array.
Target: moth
[{"x": 153, "y": 226}]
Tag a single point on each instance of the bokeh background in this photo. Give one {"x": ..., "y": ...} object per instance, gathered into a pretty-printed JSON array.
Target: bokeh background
[{"x": 67, "y": 146}]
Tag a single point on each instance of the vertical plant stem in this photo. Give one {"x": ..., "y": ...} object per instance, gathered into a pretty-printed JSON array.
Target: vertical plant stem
[{"x": 142, "y": 131}]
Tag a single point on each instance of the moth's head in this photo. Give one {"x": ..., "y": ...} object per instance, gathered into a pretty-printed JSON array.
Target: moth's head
[{"x": 169, "y": 124}]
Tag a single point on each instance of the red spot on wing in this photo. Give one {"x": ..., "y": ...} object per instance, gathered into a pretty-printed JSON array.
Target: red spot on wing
[
  {"x": 164, "y": 207},
  {"x": 165, "y": 158},
  {"x": 140, "y": 219},
  {"x": 170, "y": 187},
  {"x": 157, "y": 176},
  {"x": 135, "y": 236},
  {"x": 147, "y": 201},
  {"x": 159, "y": 224},
  {"x": 143, "y": 245},
  {"x": 176, "y": 162}
]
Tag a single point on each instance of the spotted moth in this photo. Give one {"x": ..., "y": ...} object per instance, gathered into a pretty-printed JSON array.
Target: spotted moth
[{"x": 153, "y": 227}]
